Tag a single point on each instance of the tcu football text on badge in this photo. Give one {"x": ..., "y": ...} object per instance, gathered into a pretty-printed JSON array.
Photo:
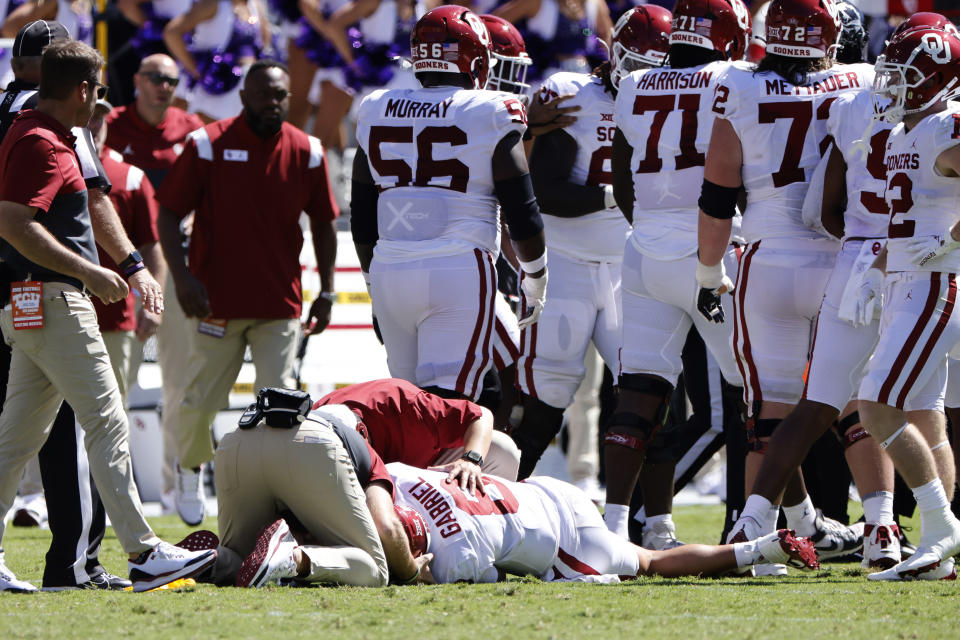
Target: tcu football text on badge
[
  {"x": 25, "y": 299},
  {"x": 212, "y": 327}
]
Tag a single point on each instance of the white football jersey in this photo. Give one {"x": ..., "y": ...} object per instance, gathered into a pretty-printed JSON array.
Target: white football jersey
[
  {"x": 513, "y": 527},
  {"x": 850, "y": 122},
  {"x": 666, "y": 116},
  {"x": 599, "y": 236},
  {"x": 922, "y": 202},
  {"x": 782, "y": 129},
  {"x": 430, "y": 153}
]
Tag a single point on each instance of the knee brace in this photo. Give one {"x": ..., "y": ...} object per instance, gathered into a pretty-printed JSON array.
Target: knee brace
[
  {"x": 661, "y": 447},
  {"x": 642, "y": 383},
  {"x": 849, "y": 430},
  {"x": 538, "y": 427},
  {"x": 622, "y": 421},
  {"x": 760, "y": 428}
]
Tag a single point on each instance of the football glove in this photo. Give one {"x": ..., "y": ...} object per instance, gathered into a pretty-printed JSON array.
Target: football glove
[
  {"x": 535, "y": 296},
  {"x": 713, "y": 282},
  {"x": 867, "y": 297},
  {"x": 926, "y": 248}
]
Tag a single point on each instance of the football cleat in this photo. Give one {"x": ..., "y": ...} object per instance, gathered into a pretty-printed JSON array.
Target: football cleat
[
  {"x": 937, "y": 570},
  {"x": 881, "y": 546},
  {"x": 784, "y": 547},
  {"x": 660, "y": 537},
  {"x": 833, "y": 539},
  {"x": 272, "y": 558}
]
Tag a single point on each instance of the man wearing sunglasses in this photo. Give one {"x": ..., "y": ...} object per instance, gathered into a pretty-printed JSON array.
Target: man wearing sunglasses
[
  {"x": 76, "y": 513},
  {"x": 49, "y": 320},
  {"x": 150, "y": 133}
]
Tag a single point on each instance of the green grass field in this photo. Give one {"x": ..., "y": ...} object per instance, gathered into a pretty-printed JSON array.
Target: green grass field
[{"x": 835, "y": 603}]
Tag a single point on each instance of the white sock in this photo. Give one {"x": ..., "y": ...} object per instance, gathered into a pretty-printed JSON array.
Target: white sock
[
  {"x": 666, "y": 517},
  {"x": 802, "y": 517},
  {"x": 616, "y": 516},
  {"x": 878, "y": 507},
  {"x": 747, "y": 553},
  {"x": 641, "y": 515},
  {"x": 933, "y": 505},
  {"x": 756, "y": 507},
  {"x": 771, "y": 523}
]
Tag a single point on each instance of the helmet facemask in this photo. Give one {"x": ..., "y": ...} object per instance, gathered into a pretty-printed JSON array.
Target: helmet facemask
[
  {"x": 509, "y": 73},
  {"x": 623, "y": 62}
]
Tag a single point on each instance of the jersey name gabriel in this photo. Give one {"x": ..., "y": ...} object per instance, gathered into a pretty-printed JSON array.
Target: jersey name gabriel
[
  {"x": 665, "y": 114},
  {"x": 511, "y": 528},
  {"x": 430, "y": 153},
  {"x": 598, "y": 236},
  {"x": 922, "y": 202},
  {"x": 782, "y": 129},
  {"x": 863, "y": 142}
]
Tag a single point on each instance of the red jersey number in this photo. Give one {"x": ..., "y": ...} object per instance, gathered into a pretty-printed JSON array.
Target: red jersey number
[
  {"x": 597, "y": 175},
  {"x": 428, "y": 169},
  {"x": 801, "y": 115},
  {"x": 689, "y": 105},
  {"x": 482, "y": 504},
  {"x": 874, "y": 202},
  {"x": 900, "y": 228}
]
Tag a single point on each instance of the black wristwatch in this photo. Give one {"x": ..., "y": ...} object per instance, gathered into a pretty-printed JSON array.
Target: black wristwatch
[
  {"x": 131, "y": 260},
  {"x": 474, "y": 457}
]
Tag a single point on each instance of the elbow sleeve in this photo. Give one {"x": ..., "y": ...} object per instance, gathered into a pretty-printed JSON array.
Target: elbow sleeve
[{"x": 363, "y": 213}]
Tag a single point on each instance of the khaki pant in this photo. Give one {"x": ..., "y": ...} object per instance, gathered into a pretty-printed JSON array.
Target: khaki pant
[
  {"x": 212, "y": 369},
  {"x": 173, "y": 340},
  {"x": 261, "y": 472},
  {"x": 502, "y": 460},
  {"x": 583, "y": 418},
  {"x": 126, "y": 354},
  {"x": 67, "y": 359}
]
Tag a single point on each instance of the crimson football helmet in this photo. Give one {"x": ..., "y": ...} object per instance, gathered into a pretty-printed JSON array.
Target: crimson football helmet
[
  {"x": 418, "y": 533},
  {"x": 803, "y": 28},
  {"x": 641, "y": 39},
  {"x": 719, "y": 25},
  {"x": 918, "y": 69},
  {"x": 924, "y": 19},
  {"x": 452, "y": 39},
  {"x": 510, "y": 71}
]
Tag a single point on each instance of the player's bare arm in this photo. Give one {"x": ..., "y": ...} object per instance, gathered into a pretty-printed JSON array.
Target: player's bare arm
[
  {"x": 19, "y": 227},
  {"x": 552, "y": 159},
  {"x": 404, "y": 568},
  {"x": 110, "y": 234},
  {"x": 363, "y": 210},
  {"x": 834, "y": 193},
  {"x": 191, "y": 293},
  {"x": 622, "y": 176}
]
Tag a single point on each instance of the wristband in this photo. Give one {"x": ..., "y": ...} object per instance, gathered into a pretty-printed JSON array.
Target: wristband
[
  {"x": 536, "y": 264},
  {"x": 132, "y": 269},
  {"x": 411, "y": 579},
  {"x": 710, "y": 277},
  {"x": 608, "y": 200},
  {"x": 329, "y": 296},
  {"x": 131, "y": 260}
]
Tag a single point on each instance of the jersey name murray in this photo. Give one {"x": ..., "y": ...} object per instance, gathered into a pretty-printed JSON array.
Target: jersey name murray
[{"x": 430, "y": 153}]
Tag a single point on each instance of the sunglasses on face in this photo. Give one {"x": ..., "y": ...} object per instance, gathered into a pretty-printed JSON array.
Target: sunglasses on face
[
  {"x": 101, "y": 89},
  {"x": 158, "y": 79}
]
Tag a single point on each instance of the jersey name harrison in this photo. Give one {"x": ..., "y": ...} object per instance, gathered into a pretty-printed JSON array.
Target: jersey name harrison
[
  {"x": 673, "y": 80},
  {"x": 403, "y": 108},
  {"x": 437, "y": 506},
  {"x": 830, "y": 84},
  {"x": 903, "y": 161}
]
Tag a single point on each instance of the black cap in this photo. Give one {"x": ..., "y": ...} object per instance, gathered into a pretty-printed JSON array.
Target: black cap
[{"x": 31, "y": 39}]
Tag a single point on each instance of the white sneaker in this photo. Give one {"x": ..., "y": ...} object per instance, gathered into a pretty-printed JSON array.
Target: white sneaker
[
  {"x": 834, "y": 539},
  {"x": 775, "y": 570},
  {"x": 660, "y": 537},
  {"x": 784, "y": 547},
  {"x": 32, "y": 512},
  {"x": 165, "y": 563},
  {"x": 189, "y": 496},
  {"x": 272, "y": 558},
  {"x": 9, "y": 582},
  {"x": 941, "y": 570},
  {"x": 881, "y": 546}
]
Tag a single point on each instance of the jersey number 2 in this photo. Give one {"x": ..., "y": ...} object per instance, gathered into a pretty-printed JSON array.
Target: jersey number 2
[{"x": 428, "y": 169}]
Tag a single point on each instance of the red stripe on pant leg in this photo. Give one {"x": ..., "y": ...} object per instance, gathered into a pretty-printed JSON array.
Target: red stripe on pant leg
[
  {"x": 576, "y": 565},
  {"x": 931, "y": 341},
  {"x": 754, "y": 392},
  {"x": 488, "y": 329},
  {"x": 470, "y": 358},
  {"x": 507, "y": 340},
  {"x": 912, "y": 339}
]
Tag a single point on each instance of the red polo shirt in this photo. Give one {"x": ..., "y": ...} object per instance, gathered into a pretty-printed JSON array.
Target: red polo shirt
[
  {"x": 248, "y": 194},
  {"x": 39, "y": 168},
  {"x": 405, "y": 423},
  {"x": 135, "y": 202},
  {"x": 152, "y": 149}
]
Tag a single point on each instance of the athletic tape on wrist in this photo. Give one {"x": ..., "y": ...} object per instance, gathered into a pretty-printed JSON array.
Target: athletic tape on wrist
[
  {"x": 536, "y": 264},
  {"x": 609, "y": 201}
]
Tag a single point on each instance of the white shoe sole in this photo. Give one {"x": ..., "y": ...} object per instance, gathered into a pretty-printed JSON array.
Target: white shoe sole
[{"x": 201, "y": 564}]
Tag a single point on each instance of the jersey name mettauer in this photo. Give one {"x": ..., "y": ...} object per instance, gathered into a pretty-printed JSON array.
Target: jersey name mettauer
[
  {"x": 830, "y": 84},
  {"x": 673, "y": 80},
  {"x": 403, "y": 108}
]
